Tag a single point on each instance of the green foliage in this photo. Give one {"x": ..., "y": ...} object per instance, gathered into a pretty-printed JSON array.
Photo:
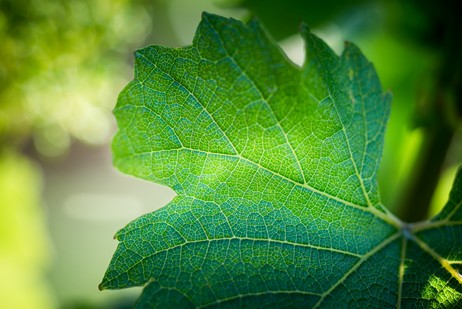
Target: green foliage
[
  {"x": 282, "y": 18},
  {"x": 24, "y": 246},
  {"x": 275, "y": 168},
  {"x": 59, "y": 64}
]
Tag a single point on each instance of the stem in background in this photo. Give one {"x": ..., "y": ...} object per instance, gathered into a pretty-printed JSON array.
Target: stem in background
[{"x": 415, "y": 204}]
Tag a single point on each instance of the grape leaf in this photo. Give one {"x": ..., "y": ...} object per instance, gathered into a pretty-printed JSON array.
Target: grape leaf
[{"x": 275, "y": 171}]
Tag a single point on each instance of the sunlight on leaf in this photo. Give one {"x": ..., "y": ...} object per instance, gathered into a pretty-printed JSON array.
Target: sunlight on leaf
[{"x": 444, "y": 294}]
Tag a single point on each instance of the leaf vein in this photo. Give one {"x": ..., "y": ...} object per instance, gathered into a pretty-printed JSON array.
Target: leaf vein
[{"x": 264, "y": 100}]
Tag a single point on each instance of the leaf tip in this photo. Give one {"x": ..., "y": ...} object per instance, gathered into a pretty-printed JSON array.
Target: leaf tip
[
  {"x": 101, "y": 286},
  {"x": 350, "y": 48},
  {"x": 314, "y": 46},
  {"x": 212, "y": 18},
  {"x": 207, "y": 15},
  {"x": 118, "y": 235},
  {"x": 305, "y": 29}
]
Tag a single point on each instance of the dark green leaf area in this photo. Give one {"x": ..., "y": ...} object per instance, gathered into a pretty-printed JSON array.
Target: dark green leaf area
[{"x": 246, "y": 252}]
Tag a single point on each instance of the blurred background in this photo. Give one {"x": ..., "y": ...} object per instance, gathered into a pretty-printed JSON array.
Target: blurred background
[{"x": 63, "y": 63}]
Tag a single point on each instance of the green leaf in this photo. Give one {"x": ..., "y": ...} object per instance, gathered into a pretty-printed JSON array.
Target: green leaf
[{"x": 275, "y": 168}]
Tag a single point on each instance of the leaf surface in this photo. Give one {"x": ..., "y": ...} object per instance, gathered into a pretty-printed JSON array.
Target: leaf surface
[{"x": 275, "y": 171}]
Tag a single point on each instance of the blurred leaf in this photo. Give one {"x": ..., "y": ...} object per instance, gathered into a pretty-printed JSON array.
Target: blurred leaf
[
  {"x": 283, "y": 18},
  {"x": 275, "y": 168},
  {"x": 60, "y": 62},
  {"x": 23, "y": 240}
]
